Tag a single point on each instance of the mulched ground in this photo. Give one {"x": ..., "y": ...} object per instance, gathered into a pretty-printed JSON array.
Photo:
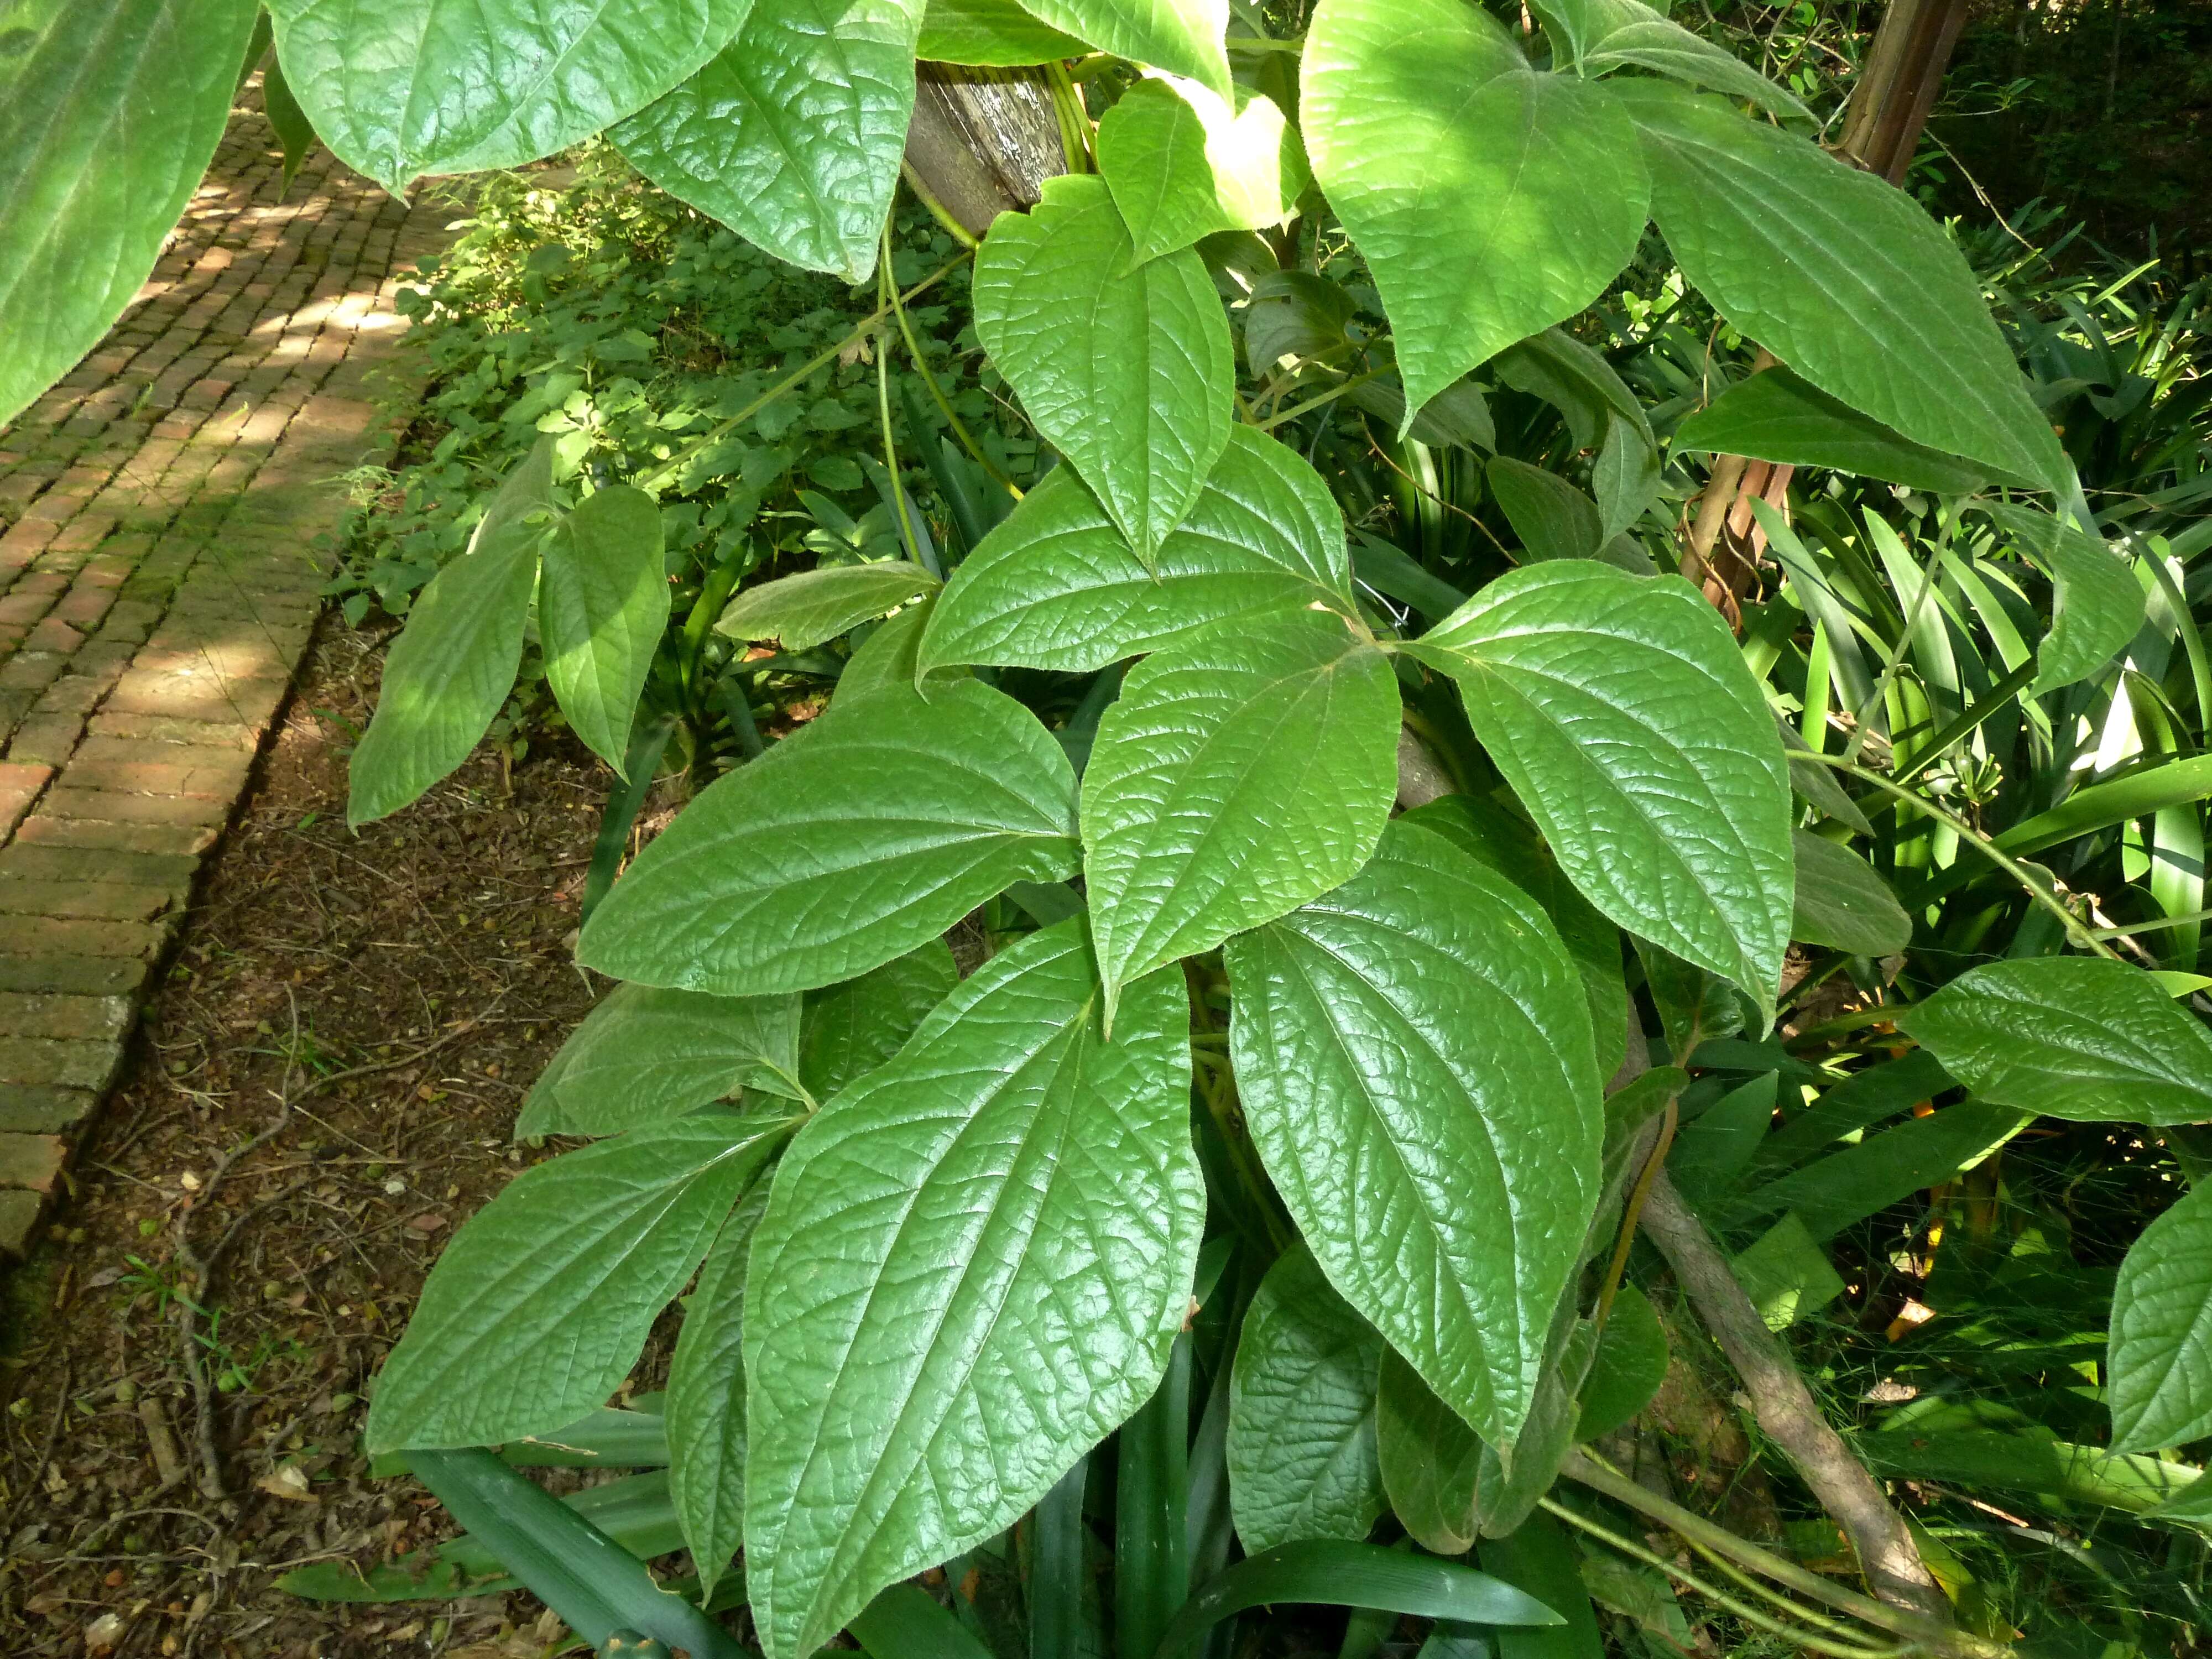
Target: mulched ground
[{"x": 380, "y": 1002}]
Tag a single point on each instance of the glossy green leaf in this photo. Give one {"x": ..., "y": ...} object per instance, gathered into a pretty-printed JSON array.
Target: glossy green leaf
[
  {"x": 1414, "y": 1056},
  {"x": 1181, "y": 164},
  {"x": 1056, "y": 585},
  {"x": 1295, "y": 313},
  {"x": 1489, "y": 201},
  {"x": 849, "y": 1030},
  {"x": 1429, "y": 1460},
  {"x": 906, "y": 1622},
  {"x": 448, "y": 674},
  {"x": 1843, "y": 903},
  {"x": 973, "y": 1265},
  {"x": 412, "y": 87},
  {"x": 1128, "y": 374},
  {"x": 1338, "y": 1574},
  {"x": 1842, "y": 276},
  {"x": 1624, "y": 477},
  {"x": 799, "y": 612},
  {"x": 1623, "y": 715},
  {"x": 603, "y": 601},
  {"x": 2097, "y": 604},
  {"x": 541, "y": 1302},
  {"x": 1236, "y": 777},
  {"x": 1509, "y": 847},
  {"x": 1627, "y": 1369},
  {"x": 2159, "y": 1380},
  {"x": 1604, "y": 34},
  {"x": 1539, "y": 1558},
  {"x": 1554, "y": 519},
  {"x": 2070, "y": 1037},
  {"x": 1847, "y": 1186},
  {"x": 1181, "y": 36},
  {"x": 858, "y": 839},
  {"x": 706, "y": 1404},
  {"x": 1713, "y": 1150},
  {"x": 108, "y": 116},
  {"x": 997, "y": 33},
  {"x": 886, "y": 657},
  {"x": 1578, "y": 381},
  {"x": 646, "y": 1053},
  {"x": 791, "y": 135},
  {"x": 1777, "y": 415},
  {"x": 1302, "y": 1459},
  {"x": 287, "y": 121}
]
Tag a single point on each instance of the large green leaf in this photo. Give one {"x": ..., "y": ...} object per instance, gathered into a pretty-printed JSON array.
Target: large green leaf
[
  {"x": 849, "y": 1030},
  {"x": 1777, "y": 415},
  {"x": 1509, "y": 847},
  {"x": 1413, "y": 1052},
  {"x": 1128, "y": 374},
  {"x": 1841, "y": 275},
  {"x": 646, "y": 1053},
  {"x": 991, "y": 32},
  {"x": 706, "y": 1403},
  {"x": 1621, "y": 712},
  {"x": 541, "y": 1302},
  {"x": 973, "y": 1263},
  {"x": 1490, "y": 201},
  {"x": 799, "y": 612},
  {"x": 2159, "y": 1379},
  {"x": 1540, "y": 1557},
  {"x": 1845, "y": 1187},
  {"x": 1554, "y": 519},
  {"x": 108, "y": 114},
  {"x": 791, "y": 135},
  {"x": 1627, "y": 1368},
  {"x": 448, "y": 674},
  {"x": 1842, "y": 903},
  {"x": 411, "y": 87},
  {"x": 856, "y": 840},
  {"x": 1302, "y": 1459},
  {"x": 1184, "y": 36},
  {"x": 1181, "y": 164},
  {"x": 1429, "y": 1460},
  {"x": 602, "y": 607},
  {"x": 2071, "y": 1036},
  {"x": 2097, "y": 604},
  {"x": 1056, "y": 585},
  {"x": 1597, "y": 35},
  {"x": 1237, "y": 777}
]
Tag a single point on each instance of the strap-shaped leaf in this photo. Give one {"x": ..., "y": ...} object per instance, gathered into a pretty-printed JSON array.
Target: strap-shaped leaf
[
  {"x": 849, "y": 1030},
  {"x": 1490, "y": 201},
  {"x": 1237, "y": 777},
  {"x": 706, "y": 1404},
  {"x": 791, "y": 135},
  {"x": 541, "y": 1303},
  {"x": 1622, "y": 713},
  {"x": 1414, "y": 1056},
  {"x": 409, "y": 87},
  {"x": 859, "y": 839},
  {"x": 447, "y": 673},
  {"x": 1183, "y": 36},
  {"x": 1777, "y": 415},
  {"x": 1841, "y": 275},
  {"x": 2159, "y": 1380},
  {"x": 973, "y": 1265},
  {"x": 1128, "y": 374},
  {"x": 108, "y": 114},
  {"x": 1056, "y": 585},
  {"x": 2097, "y": 604},
  {"x": 646, "y": 1053},
  {"x": 602, "y": 607},
  {"x": 995, "y": 32},
  {"x": 1181, "y": 164},
  {"x": 1302, "y": 1459},
  {"x": 2070, "y": 1037},
  {"x": 799, "y": 612},
  {"x": 1842, "y": 902}
]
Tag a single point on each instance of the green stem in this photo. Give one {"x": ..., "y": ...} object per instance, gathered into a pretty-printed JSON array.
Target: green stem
[
  {"x": 715, "y": 435},
  {"x": 1999, "y": 694},
  {"x": 1313, "y": 402},
  {"x": 929, "y": 379},
  {"x": 1973, "y": 837},
  {"x": 2135, "y": 927},
  {"x": 937, "y": 209},
  {"x": 890, "y": 289}
]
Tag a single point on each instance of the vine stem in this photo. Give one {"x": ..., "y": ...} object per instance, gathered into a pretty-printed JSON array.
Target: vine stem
[
  {"x": 715, "y": 435},
  {"x": 889, "y": 290},
  {"x": 929, "y": 379},
  {"x": 2075, "y": 929}
]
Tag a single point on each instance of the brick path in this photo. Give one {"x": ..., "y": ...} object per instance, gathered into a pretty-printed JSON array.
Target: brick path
[{"x": 157, "y": 590}]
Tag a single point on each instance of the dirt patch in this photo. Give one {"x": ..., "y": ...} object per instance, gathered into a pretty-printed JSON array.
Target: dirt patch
[{"x": 382, "y": 1002}]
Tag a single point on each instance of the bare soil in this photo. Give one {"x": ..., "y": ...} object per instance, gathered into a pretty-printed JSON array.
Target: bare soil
[{"x": 382, "y": 1001}]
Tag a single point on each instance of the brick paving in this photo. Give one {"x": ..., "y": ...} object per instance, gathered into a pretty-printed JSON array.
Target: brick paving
[{"x": 157, "y": 590}]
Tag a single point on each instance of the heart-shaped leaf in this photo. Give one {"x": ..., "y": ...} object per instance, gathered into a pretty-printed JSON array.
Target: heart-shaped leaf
[
  {"x": 2160, "y": 1381},
  {"x": 1182, "y": 165},
  {"x": 994, "y": 32},
  {"x": 848, "y": 1029},
  {"x": 705, "y": 1406}
]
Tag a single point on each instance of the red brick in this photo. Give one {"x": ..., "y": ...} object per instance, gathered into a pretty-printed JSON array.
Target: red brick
[
  {"x": 33, "y": 1162},
  {"x": 76, "y": 936},
  {"x": 99, "y": 900},
  {"x": 119, "y": 807},
  {"x": 68, "y": 974}
]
